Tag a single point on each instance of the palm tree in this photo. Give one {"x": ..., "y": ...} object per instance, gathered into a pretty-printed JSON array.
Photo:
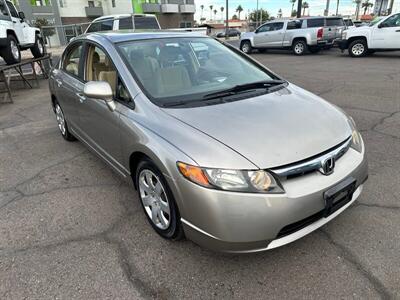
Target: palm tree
[
  {"x": 293, "y": 2},
  {"x": 358, "y": 3},
  {"x": 202, "y": 9},
  {"x": 337, "y": 7},
  {"x": 280, "y": 13},
  {"x": 239, "y": 9},
  {"x": 366, "y": 5},
  {"x": 304, "y": 6},
  {"x": 215, "y": 14},
  {"x": 211, "y": 7},
  {"x": 222, "y": 12}
]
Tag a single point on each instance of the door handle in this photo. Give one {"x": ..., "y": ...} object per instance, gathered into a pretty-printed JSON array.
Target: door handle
[
  {"x": 14, "y": 21},
  {"x": 59, "y": 82},
  {"x": 81, "y": 97}
]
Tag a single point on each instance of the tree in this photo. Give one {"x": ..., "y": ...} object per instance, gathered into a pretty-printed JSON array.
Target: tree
[
  {"x": 366, "y": 5},
  {"x": 47, "y": 32},
  {"x": 202, "y": 9},
  {"x": 239, "y": 9},
  {"x": 222, "y": 12},
  {"x": 211, "y": 8},
  {"x": 234, "y": 17},
  {"x": 256, "y": 15},
  {"x": 293, "y": 2},
  {"x": 358, "y": 3},
  {"x": 280, "y": 13},
  {"x": 215, "y": 13},
  {"x": 294, "y": 13},
  {"x": 304, "y": 6}
]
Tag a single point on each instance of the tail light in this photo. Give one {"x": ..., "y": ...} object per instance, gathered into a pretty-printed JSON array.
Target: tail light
[{"x": 320, "y": 33}]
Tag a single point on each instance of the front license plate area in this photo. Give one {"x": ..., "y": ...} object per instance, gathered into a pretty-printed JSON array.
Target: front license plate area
[{"x": 339, "y": 195}]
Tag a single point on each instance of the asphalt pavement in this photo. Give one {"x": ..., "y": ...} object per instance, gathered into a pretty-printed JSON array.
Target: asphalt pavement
[{"x": 71, "y": 229}]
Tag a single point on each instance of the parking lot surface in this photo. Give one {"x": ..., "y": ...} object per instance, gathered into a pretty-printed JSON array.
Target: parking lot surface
[{"x": 70, "y": 228}]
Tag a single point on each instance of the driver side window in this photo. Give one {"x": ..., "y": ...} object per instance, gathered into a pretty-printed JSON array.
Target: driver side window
[
  {"x": 265, "y": 28},
  {"x": 393, "y": 21}
]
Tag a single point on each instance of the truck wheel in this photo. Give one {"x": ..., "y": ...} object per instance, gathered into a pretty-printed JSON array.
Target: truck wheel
[
  {"x": 299, "y": 47},
  {"x": 358, "y": 48},
  {"x": 11, "y": 52},
  {"x": 38, "y": 49},
  {"x": 246, "y": 47}
]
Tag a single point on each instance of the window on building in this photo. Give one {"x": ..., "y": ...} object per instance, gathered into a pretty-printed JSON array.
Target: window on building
[
  {"x": 60, "y": 3},
  {"x": 113, "y": 3},
  {"x": 91, "y": 3},
  {"x": 185, "y": 24}
]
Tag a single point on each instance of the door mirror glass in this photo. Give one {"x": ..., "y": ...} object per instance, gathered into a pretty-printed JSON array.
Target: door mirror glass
[
  {"x": 100, "y": 90},
  {"x": 21, "y": 15}
]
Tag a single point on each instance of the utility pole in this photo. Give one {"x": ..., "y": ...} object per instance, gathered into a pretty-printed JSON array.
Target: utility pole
[
  {"x": 337, "y": 7},
  {"x": 326, "y": 12},
  {"x": 227, "y": 20},
  {"x": 299, "y": 6},
  {"x": 257, "y": 15}
]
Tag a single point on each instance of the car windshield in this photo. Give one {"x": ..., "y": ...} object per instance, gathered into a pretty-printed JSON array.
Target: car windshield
[
  {"x": 374, "y": 21},
  {"x": 184, "y": 70}
]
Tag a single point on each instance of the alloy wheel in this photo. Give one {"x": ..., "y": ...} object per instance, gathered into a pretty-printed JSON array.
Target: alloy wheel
[
  {"x": 154, "y": 199},
  {"x": 358, "y": 49},
  {"x": 14, "y": 49},
  {"x": 60, "y": 119},
  {"x": 299, "y": 48},
  {"x": 246, "y": 48}
]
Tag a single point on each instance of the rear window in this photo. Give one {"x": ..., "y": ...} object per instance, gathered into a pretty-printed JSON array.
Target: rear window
[
  {"x": 146, "y": 23},
  {"x": 348, "y": 22},
  {"x": 126, "y": 23},
  {"x": 334, "y": 22},
  {"x": 311, "y": 23},
  {"x": 103, "y": 25}
]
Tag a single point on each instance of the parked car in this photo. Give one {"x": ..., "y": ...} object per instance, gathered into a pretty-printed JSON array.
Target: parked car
[
  {"x": 235, "y": 163},
  {"x": 300, "y": 35},
  {"x": 17, "y": 35},
  {"x": 124, "y": 21},
  {"x": 349, "y": 23},
  {"x": 381, "y": 35},
  {"x": 232, "y": 32}
]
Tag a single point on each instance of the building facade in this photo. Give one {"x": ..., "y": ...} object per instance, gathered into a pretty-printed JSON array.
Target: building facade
[{"x": 381, "y": 7}]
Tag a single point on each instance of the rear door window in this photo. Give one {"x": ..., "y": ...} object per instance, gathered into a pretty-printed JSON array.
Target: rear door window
[
  {"x": 294, "y": 24},
  {"x": 334, "y": 22},
  {"x": 317, "y": 22},
  {"x": 142, "y": 22},
  {"x": 102, "y": 25},
  {"x": 278, "y": 26}
]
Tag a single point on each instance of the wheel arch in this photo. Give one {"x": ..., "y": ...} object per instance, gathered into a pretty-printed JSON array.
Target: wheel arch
[
  {"x": 353, "y": 38},
  {"x": 299, "y": 38},
  {"x": 12, "y": 32}
]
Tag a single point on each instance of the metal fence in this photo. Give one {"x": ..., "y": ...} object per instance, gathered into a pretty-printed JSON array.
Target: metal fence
[{"x": 60, "y": 35}]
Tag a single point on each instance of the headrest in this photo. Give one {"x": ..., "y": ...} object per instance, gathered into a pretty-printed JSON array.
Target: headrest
[{"x": 96, "y": 57}]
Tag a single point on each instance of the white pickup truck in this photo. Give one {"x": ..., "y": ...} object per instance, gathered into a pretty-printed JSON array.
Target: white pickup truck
[
  {"x": 380, "y": 35},
  {"x": 17, "y": 35}
]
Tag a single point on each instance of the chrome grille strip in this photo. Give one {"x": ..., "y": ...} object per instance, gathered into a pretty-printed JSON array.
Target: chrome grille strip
[{"x": 312, "y": 164}]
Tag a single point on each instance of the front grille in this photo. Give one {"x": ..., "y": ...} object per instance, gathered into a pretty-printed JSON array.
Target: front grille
[{"x": 314, "y": 163}]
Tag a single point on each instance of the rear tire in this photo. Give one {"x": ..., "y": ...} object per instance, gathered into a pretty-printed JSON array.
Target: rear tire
[
  {"x": 38, "y": 50},
  {"x": 299, "y": 47},
  {"x": 11, "y": 52},
  {"x": 358, "y": 48},
  {"x": 246, "y": 47},
  {"x": 157, "y": 201},
  {"x": 62, "y": 123}
]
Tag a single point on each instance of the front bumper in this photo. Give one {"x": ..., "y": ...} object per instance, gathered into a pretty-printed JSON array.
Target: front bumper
[{"x": 242, "y": 222}]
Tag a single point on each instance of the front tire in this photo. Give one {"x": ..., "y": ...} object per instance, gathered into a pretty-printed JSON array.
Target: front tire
[
  {"x": 299, "y": 47},
  {"x": 62, "y": 123},
  {"x": 157, "y": 201},
  {"x": 11, "y": 52},
  {"x": 358, "y": 48},
  {"x": 246, "y": 47},
  {"x": 38, "y": 49}
]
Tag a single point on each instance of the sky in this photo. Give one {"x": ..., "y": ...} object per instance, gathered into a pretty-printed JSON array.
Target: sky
[{"x": 346, "y": 7}]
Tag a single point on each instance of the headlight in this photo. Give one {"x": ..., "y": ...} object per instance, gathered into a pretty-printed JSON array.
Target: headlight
[
  {"x": 344, "y": 34},
  {"x": 257, "y": 181},
  {"x": 356, "y": 140}
]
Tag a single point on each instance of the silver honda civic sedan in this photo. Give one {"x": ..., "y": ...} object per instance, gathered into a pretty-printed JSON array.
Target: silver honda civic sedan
[{"x": 219, "y": 148}]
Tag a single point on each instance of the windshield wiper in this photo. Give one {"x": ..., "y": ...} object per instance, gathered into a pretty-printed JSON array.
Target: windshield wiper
[{"x": 244, "y": 87}]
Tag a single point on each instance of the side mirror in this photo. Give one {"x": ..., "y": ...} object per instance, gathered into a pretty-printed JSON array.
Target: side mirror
[
  {"x": 100, "y": 90},
  {"x": 21, "y": 15}
]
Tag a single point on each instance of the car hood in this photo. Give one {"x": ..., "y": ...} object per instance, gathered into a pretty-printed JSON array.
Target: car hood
[
  {"x": 271, "y": 130},
  {"x": 247, "y": 35}
]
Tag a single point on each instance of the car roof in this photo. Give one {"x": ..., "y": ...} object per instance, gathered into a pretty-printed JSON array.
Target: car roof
[
  {"x": 119, "y": 16},
  {"x": 133, "y": 35}
]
